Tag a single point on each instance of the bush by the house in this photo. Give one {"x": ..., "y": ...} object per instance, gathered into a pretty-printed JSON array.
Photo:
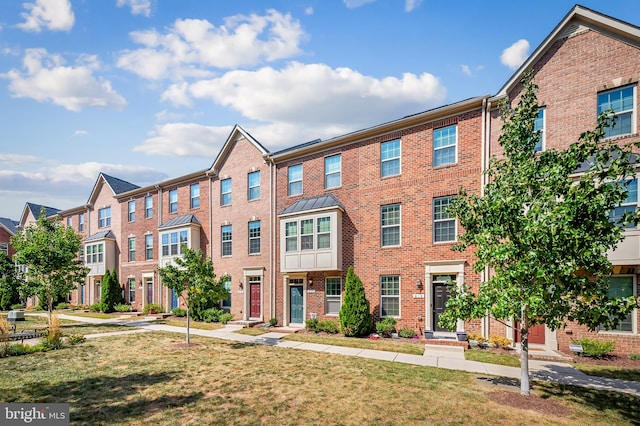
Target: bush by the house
[
  {"x": 212, "y": 315},
  {"x": 273, "y": 322},
  {"x": 477, "y": 337},
  {"x": 385, "y": 327},
  {"x": 111, "y": 291},
  {"x": 179, "y": 312},
  {"x": 407, "y": 333},
  {"x": 312, "y": 324},
  {"x": 123, "y": 307},
  {"x": 499, "y": 342},
  {"x": 225, "y": 317},
  {"x": 328, "y": 326},
  {"x": 97, "y": 307},
  {"x": 62, "y": 305},
  {"x": 355, "y": 313},
  {"x": 152, "y": 307},
  {"x": 74, "y": 339},
  {"x": 17, "y": 306},
  {"x": 595, "y": 348}
]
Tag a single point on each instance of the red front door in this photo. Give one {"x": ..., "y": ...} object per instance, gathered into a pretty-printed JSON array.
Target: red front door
[
  {"x": 536, "y": 333},
  {"x": 254, "y": 300}
]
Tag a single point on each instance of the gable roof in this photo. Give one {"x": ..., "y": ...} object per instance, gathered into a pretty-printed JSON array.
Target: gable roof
[
  {"x": 118, "y": 186},
  {"x": 34, "y": 209},
  {"x": 9, "y": 224},
  {"x": 188, "y": 219},
  {"x": 577, "y": 20},
  {"x": 236, "y": 132},
  {"x": 101, "y": 235},
  {"x": 322, "y": 202}
]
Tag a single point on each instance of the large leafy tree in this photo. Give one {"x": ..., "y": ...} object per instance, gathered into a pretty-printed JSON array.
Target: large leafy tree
[
  {"x": 543, "y": 226},
  {"x": 355, "y": 313},
  {"x": 9, "y": 282},
  {"x": 49, "y": 251},
  {"x": 193, "y": 278}
]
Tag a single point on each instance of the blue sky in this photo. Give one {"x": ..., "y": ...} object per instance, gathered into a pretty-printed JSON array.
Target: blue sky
[{"x": 147, "y": 90}]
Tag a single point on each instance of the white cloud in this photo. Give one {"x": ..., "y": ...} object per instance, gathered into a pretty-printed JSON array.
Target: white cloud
[
  {"x": 177, "y": 95},
  {"x": 9, "y": 158},
  {"x": 185, "y": 140},
  {"x": 466, "y": 70},
  {"x": 193, "y": 47},
  {"x": 55, "y": 15},
  {"x": 47, "y": 79},
  {"x": 352, "y": 4},
  {"x": 308, "y": 11},
  {"x": 411, "y": 5},
  {"x": 80, "y": 133},
  {"x": 164, "y": 116},
  {"x": 138, "y": 7},
  {"x": 514, "y": 55},
  {"x": 317, "y": 95}
]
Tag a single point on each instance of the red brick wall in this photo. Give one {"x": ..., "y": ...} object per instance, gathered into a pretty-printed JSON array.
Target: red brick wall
[{"x": 5, "y": 237}]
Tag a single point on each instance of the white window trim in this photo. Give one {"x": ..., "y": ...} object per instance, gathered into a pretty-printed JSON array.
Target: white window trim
[
  {"x": 230, "y": 192},
  {"x": 455, "y": 145},
  {"x": 250, "y": 238},
  {"x": 315, "y": 233},
  {"x": 249, "y": 187},
  {"x": 543, "y": 133},
  {"x": 222, "y": 241},
  {"x": 168, "y": 232},
  {"x": 146, "y": 247},
  {"x": 399, "y": 158},
  {"x": 332, "y": 173},
  {"x": 289, "y": 182},
  {"x": 399, "y": 296},
  {"x": 173, "y": 191},
  {"x": 455, "y": 222},
  {"x": 106, "y": 219},
  {"x": 634, "y": 313},
  {"x": 148, "y": 209},
  {"x": 192, "y": 197},
  {"x": 131, "y": 207},
  {"x": 633, "y": 110},
  {"x": 326, "y": 296},
  {"x": 129, "y": 250},
  {"x": 399, "y": 225}
]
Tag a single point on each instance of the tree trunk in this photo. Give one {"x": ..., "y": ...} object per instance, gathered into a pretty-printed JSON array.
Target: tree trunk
[
  {"x": 50, "y": 308},
  {"x": 524, "y": 354},
  {"x": 187, "y": 324}
]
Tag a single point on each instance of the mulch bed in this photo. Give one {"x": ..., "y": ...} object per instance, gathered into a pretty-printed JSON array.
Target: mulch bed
[{"x": 546, "y": 407}]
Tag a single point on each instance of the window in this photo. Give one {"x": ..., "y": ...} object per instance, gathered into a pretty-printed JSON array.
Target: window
[
  {"x": 390, "y": 225},
  {"x": 70, "y": 221},
  {"x": 332, "y": 296},
  {"x": 622, "y": 102},
  {"x": 254, "y": 186},
  {"x": 390, "y": 158},
  {"x": 622, "y": 286},
  {"x": 132, "y": 211},
  {"x": 227, "y": 238},
  {"x": 444, "y": 226},
  {"x": 254, "y": 237},
  {"x": 225, "y": 192},
  {"x": 306, "y": 234},
  {"x": 104, "y": 217},
  {"x": 148, "y": 247},
  {"x": 172, "y": 242},
  {"x": 294, "y": 175},
  {"x": 81, "y": 222},
  {"x": 132, "y": 249},
  {"x": 539, "y": 125},
  {"x": 195, "y": 195},
  {"x": 333, "y": 171},
  {"x": 291, "y": 231},
  {"x": 173, "y": 201},
  {"x": 324, "y": 232},
  {"x": 94, "y": 253},
  {"x": 5, "y": 248},
  {"x": 314, "y": 234},
  {"x": 390, "y": 296},
  {"x": 132, "y": 290},
  {"x": 628, "y": 206},
  {"x": 148, "y": 206},
  {"x": 444, "y": 145},
  {"x": 226, "y": 283}
]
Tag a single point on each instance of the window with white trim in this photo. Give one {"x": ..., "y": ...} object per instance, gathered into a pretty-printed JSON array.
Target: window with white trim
[
  {"x": 226, "y": 283},
  {"x": 629, "y": 205},
  {"x": 225, "y": 192},
  {"x": 333, "y": 171},
  {"x": 94, "y": 253},
  {"x": 333, "y": 295},
  {"x": 70, "y": 221},
  {"x": 132, "y": 289},
  {"x": 314, "y": 234},
  {"x": 254, "y": 237},
  {"x": 622, "y": 102},
  {"x": 148, "y": 247},
  {"x": 253, "y": 183},
  {"x": 622, "y": 286},
  {"x": 323, "y": 232},
  {"x": 390, "y": 158},
  {"x": 445, "y": 141},
  {"x": 227, "y": 240},
  {"x": 148, "y": 206},
  {"x": 81, "y": 222},
  {"x": 4, "y": 247},
  {"x": 173, "y": 201},
  {"x": 294, "y": 177},
  {"x": 132, "y": 249},
  {"x": 390, "y": 225},
  {"x": 171, "y": 242},
  {"x": 444, "y": 225},
  {"x": 104, "y": 217},
  {"x": 306, "y": 234},
  {"x": 539, "y": 124},
  {"x": 194, "y": 191},
  {"x": 132, "y": 211},
  {"x": 390, "y": 296},
  {"x": 291, "y": 236}
]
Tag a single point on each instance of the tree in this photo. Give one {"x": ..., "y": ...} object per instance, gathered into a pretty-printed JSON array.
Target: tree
[
  {"x": 111, "y": 291},
  {"x": 49, "y": 251},
  {"x": 543, "y": 232},
  {"x": 193, "y": 278},
  {"x": 9, "y": 282},
  {"x": 355, "y": 313}
]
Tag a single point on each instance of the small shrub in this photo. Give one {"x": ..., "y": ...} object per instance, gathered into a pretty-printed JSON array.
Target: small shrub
[
  {"x": 328, "y": 326},
  {"x": 123, "y": 307},
  {"x": 273, "y": 322},
  {"x": 156, "y": 308},
  {"x": 74, "y": 339},
  {"x": 634, "y": 356},
  {"x": 179, "y": 312},
  {"x": 477, "y": 337},
  {"x": 312, "y": 324},
  {"x": 226, "y": 317},
  {"x": 500, "y": 342},
  {"x": 54, "y": 338},
  {"x": 62, "y": 305},
  {"x": 82, "y": 307},
  {"x": 97, "y": 307},
  {"x": 407, "y": 333},
  {"x": 385, "y": 327},
  {"x": 212, "y": 315},
  {"x": 17, "y": 306},
  {"x": 595, "y": 348},
  {"x": 17, "y": 350}
]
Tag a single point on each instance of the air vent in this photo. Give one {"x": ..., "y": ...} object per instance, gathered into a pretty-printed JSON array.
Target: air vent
[{"x": 574, "y": 30}]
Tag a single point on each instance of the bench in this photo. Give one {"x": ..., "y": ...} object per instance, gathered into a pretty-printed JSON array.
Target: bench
[{"x": 30, "y": 333}]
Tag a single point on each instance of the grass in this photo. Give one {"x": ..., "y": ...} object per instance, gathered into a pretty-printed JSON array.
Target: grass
[
  {"x": 192, "y": 324},
  {"x": 151, "y": 379},
  {"x": 68, "y": 327},
  {"x": 492, "y": 358},
  {"x": 361, "y": 343},
  {"x": 611, "y": 372},
  {"x": 253, "y": 331}
]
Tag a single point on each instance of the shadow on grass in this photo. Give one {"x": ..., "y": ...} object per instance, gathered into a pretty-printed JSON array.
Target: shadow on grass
[
  {"x": 109, "y": 399},
  {"x": 613, "y": 373}
]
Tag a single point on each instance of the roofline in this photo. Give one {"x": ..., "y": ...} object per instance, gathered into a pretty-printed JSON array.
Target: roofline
[
  {"x": 306, "y": 212},
  {"x": 73, "y": 210},
  {"x": 391, "y": 126},
  {"x": 179, "y": 225},
  {"x": 226, "y": 148},
  {"x": 8, "y": 230},
  {"x": 163, "y": 184},
  {"x": 622, "y": 29}
]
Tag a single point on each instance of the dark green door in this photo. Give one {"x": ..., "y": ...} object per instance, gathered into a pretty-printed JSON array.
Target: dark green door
[{"x": 296, "y": 304}]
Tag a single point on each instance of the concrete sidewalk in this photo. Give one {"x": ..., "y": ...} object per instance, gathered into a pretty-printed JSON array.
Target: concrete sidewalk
[{"x": 451, "y": 358}]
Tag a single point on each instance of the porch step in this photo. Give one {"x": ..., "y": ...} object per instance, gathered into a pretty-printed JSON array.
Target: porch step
[
  {"x": 444, "y": 348},
  {"x": 246, "y": 323}
]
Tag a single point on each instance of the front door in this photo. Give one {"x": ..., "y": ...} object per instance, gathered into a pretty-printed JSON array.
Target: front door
[
  {"x": 149, "y": 291},
  {"x": 174, "y": 299},
  {"x": 536, "y": 333},
  {"x": 254, "y": 300},
  {"x": 441, "y": 294},
  {"x": 296, "y": 307}
]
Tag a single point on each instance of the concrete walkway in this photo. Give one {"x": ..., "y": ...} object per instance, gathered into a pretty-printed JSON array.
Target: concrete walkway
[{"x": 448, "y": 357}]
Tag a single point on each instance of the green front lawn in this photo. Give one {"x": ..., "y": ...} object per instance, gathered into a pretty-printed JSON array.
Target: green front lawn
[{"x": 611, "y": 372}]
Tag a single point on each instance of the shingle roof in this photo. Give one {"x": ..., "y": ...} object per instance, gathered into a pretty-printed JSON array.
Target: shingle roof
[
  {"x": 10, "y": 224},
  {"x": 118, "y": 185},
  {"x": 180, "y": 220},
  {"x": 313, "y": 203},
  {"x": 101, "y": 235},
  {"x": 35, "y": 210}
]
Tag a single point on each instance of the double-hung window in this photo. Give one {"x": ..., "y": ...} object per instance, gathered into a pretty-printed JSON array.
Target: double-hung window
[
  {"x": 104, "y": 217},
  {"x": 132, "y": 211},
  {"x": 94, "y": 253},
  {"x": 132, "y": 290},
  {"x": 622, "y": 286},
  {"x": 622, "y": 102},
  {"x": 390, "y": 158},
  {"x": 132, "y": 249},
  {"x": 81, "y": 222},
  {"x": 225, "y": 192},
  {"x": 148, "y": 247},
  {"x": 253, "y": 181},
  {"x": 227, "y": 240},
  {"x": 445, "y": 141},
  {"x": 171, "y": 242},
  {"x": 539, "y": 125},
  {"x": 70, "y": 222},
  {"x": 194, "y": 191},
  {"x": 333, "y": 295},
  {"x": 291, "y": 235},
  {"x": 308, "y": 234},
  {"x": 4, "y": 247},
  {"x": 390, "y": 225},
  {"x": 148, "y": 206},
  {"x": 226, "y": 283},
  {"x": 294, "y": 176},
  {"x": 254, "y": 237},
  {"x": 390, "y": 296},
  {"x": 323, "y": 232},
  {"x": 173, "y": 201},
  {"x": 444, "y": 226},
  {"x": 627, "y": 206},
  {"x": 333, "y": 171}
]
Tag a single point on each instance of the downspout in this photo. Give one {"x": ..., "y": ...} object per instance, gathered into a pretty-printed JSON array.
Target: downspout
[
  {"x": 210, "y": 212},
  {"x": 144, "y": 288},
  {"x": 486, "y": 142},
  {"x": 272, "y": 225}
]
